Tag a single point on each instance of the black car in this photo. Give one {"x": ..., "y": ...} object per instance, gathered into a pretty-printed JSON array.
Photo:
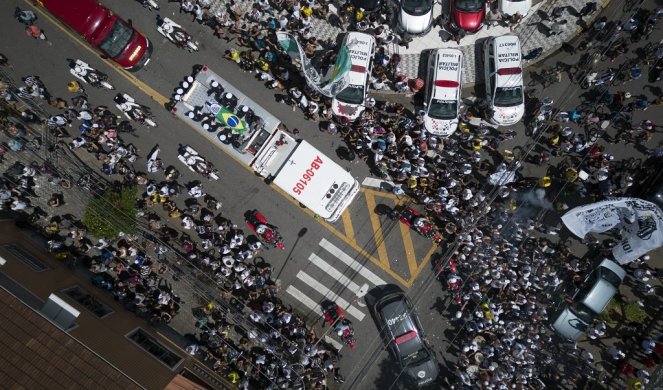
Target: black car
[
  {"x": 368, "y": 5},
  {"x": 405, "y": 338}
]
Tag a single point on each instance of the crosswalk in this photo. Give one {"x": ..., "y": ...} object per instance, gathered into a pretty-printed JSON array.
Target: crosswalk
[{"x": 335, "y": 285}]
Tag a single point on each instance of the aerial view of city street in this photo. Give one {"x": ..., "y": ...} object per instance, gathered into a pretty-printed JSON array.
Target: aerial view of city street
[{"x": 355, "y": 194}]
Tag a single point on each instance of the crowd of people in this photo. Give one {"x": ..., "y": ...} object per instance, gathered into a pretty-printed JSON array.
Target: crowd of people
[
  {"x": 509, "y": 276},
  {"x": 276, "y": 348}
]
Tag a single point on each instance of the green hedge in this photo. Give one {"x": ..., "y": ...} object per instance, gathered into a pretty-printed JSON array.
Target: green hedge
[{"x": 111, "y": 213}]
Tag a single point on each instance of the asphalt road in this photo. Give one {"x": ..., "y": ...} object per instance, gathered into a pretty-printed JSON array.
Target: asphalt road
[{"x": 239, "y": 189}]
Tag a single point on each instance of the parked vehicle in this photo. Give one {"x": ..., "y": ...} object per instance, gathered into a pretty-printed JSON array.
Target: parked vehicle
[
  {"x": 504, "y": 79},
  {"x": 442, "y": 92},
  {"x": 103, "y": 29},
  {"x": 416, "y": 16},
  {"x": 405, "y": 338},
  {"x": 467, "y": 15},
  {"x": 349, "y": 103},
  {"x": 589, "y": 301},
  {"x": 511, "y": 7}
]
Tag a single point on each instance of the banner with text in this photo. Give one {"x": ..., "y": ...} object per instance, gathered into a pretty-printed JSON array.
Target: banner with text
[{"x": 641, "y": 223}]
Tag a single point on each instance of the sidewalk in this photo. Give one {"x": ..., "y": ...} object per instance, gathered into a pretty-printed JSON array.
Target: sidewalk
[{"x": 532, "y": 32}]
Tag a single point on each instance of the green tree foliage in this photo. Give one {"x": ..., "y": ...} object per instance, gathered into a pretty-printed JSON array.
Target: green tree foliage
[
  {"x": 111, "y": 213},
  {"x": 635, "y": 313}
]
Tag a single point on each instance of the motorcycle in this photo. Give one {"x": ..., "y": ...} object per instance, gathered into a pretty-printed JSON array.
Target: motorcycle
[
  {"x": 594, "y": 79},
  {"x": 420, "y": 224},
  {"x": 149, "y": 4},
  {"x": 448, "y": 273},
  {"x": 133, "y": 110},
  {"x": 176, "y": 34},
  {"x": 267, "y": 234},
  {"x": 88, "y": 74},
  {"x": 342, "y": 326},
  {"x": 197, "y": 163}
]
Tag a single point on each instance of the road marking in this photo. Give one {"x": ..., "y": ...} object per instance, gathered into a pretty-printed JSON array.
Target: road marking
[
  {"x": 409, "y": 249},
  {"x": 303, "y": 298},
  {"x": 377, "y": 230},
  {"x": 146, "y": 89},
  {"x": 347, "y": 225},
  {"x": 334, "y": 343},
  {"x": 373, "y": 182},
  {"x": 334, "y": 273},
  {"x": 352, "y": 263},
  {"x": 327, "y": 293}
]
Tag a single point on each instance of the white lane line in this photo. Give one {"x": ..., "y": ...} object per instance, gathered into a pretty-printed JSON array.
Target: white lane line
[
  {"x": 350, "y": 262},
  {"x": 331, "y": 271},
  {"x": 303, "y": 298},
  {"x": 327, "y": 293},
  {"x": 334, "y": 343},
  {"x": 373, "y": 182}
]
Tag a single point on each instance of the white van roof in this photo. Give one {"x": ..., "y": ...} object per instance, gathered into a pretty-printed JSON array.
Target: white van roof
[
  {"x": 315, "y": 180},
  {"x": 360, "y": 46},
  {"x": 448, "y": 68},
  {"x": 507, "y": 51}
]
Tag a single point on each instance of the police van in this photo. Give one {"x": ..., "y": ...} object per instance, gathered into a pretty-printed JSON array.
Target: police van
[
  {"x": 442, "y": 92},
  {"x": 349, "y": 103},
  {"x": 504, "y": 79}
]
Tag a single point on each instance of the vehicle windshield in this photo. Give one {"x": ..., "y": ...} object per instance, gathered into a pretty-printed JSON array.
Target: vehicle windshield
[
  {"x": 352, "y": 94},
  {"x": 117, "y": 39},
  {"x": 417, "y": 7},
  {"x": 508, "y": 96},
  {"x": 583, "y": 312},
  {"x": 470, "y": 5},
  {"x": 416, "y": 358},
  {"x": 610, "y": 277},
  {"x": 443, "y": 109}
]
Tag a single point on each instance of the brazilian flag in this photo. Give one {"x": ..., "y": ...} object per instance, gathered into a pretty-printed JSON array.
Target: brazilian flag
[{"x": 228, "y": 118}]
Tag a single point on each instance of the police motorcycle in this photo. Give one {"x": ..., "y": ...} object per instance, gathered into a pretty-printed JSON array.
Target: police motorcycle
[
  {"x": 87, "y": 74},
  {"x": 197, "y": 163},
  {"x": 176, "y": 34},
  {"x": 134, "y": 111},
  {"x": 267, "y": 234}
]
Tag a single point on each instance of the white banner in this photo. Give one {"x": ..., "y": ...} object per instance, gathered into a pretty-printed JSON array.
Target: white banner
[{"x": 640, "y": 221}]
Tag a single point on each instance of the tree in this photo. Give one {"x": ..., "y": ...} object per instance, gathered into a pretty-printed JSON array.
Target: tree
[{"x": 111, "y": 213}]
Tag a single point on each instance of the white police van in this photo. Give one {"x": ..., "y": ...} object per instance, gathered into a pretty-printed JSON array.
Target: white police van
[
  {"x": 504, "y": 79},
  {"x": 349, "y": 103},
  {"x": 442, "y": 92}
]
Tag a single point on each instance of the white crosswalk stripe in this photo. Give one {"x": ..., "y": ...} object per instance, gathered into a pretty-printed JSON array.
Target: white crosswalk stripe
[
  {"x": 319, "y": 287},
  {"x": 350, "y": 262},
  {"x": 333, "y": 285},
  {"x": 333, "y": 272}
]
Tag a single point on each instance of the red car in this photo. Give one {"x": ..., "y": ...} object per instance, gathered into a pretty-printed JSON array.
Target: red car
[
  {"x": 467, "y": 15},
  {"x": 104, "y": 30}
]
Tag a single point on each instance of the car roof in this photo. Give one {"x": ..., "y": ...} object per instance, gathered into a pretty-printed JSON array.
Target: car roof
[
  {"x": 603, "y": 290},
  {"x": 360, "y": 67},
  {"x": 448, "y": 68},
  {"x": 404, "y": 332}
]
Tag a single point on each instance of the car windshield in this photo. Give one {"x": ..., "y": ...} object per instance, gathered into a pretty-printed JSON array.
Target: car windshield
[
  {"x": 583, "y": 312},
  {"x": 443, "y": 109},
  {"x": 508, "y": 96},
  {"x": 417, "y": 7},
  {"x": 416, "y": 358},
  {"x": 117, "y": 39},
  {"x": 470, "y": 5},
  {"x": 352, "y": 94},
  {"x": 610, "y": 277}
]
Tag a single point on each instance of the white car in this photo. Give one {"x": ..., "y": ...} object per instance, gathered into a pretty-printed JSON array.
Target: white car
[
  {"x": 416, "y": 16},
  {"x": 504, "y": 79},
  {"x": 350, "y": 102},
  {"x": 511, "y": 7},
  {"x": 442, "y": 92}
]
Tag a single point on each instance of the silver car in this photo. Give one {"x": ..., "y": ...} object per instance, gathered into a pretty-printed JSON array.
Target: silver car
[{"x": 598, "y": 289}]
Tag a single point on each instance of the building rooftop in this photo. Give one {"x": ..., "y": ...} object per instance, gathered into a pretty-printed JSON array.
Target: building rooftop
[{"x": 36, "y": 354}]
